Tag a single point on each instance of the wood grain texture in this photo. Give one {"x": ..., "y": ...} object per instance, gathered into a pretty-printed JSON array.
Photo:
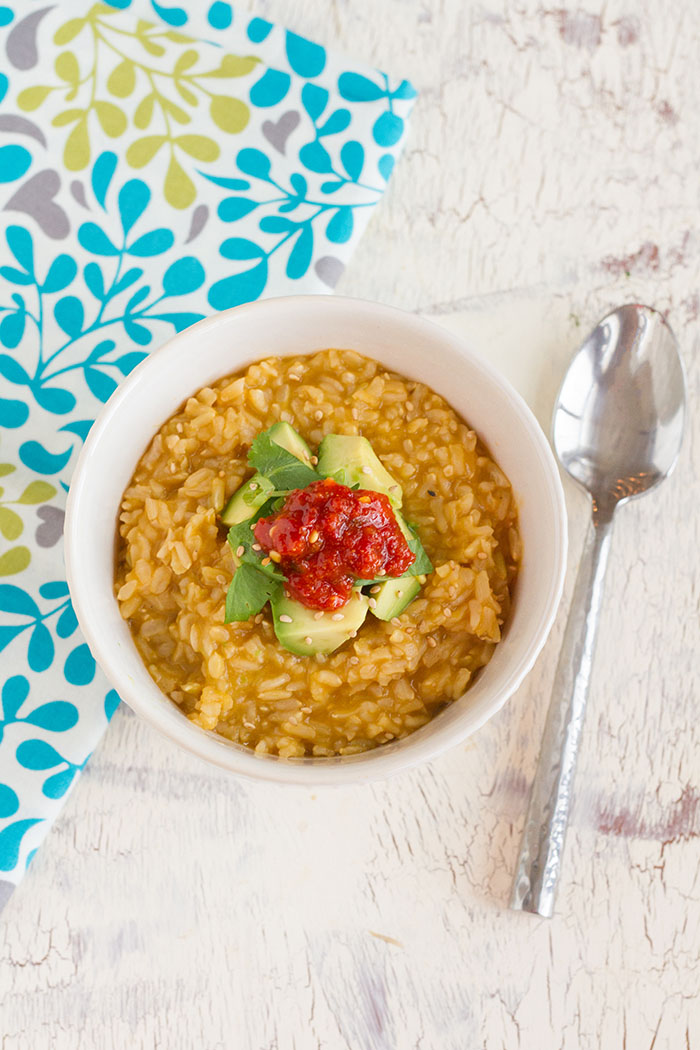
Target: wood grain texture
[{"x": 551, "y": 173}]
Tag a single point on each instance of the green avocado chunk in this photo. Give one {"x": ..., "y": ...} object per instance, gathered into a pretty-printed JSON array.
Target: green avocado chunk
[
  {"x": 246, "y": 500},
  {"x": 394, "y": 596},
  {"x": 299, "y": 631},
  {"x": 287, "y": 438},
  {"x": 351, "y": 460}
]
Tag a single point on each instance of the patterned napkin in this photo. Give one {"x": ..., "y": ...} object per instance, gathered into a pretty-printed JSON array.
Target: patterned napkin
[{"x": 147, "y": 178}]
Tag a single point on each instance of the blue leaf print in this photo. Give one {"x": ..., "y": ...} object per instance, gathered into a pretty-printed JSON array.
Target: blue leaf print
[
  {"x": 337, "y": 122},
  {"x": 53, "y": 399},
  {"x": 4, "y": 82},
  {"x": 138, "y": 332},
  {"x": 61, "y": 272},
  {"x": 57, "y": 785},
  {"x": 306, "y": 58},
  {"x": 137, "y": 298},
  {"x": 233, "y": 208},
  {"x": 387, "y": 129},
  {"x": 102, "y": 172},
  {"x": 111, "y": 703},
  {"x": 129, "y": 361},
  {"x": 94, "y": 280},
  {"x": 254, "y": 162},
  {"x": 174, "y": 16},
  {"x": 7, "y": 634},
  {"x": 40, "y": 653},
  {"x": 9, "y": 803},
  {"x": 152, "y": 243},
  {"x": 15, "y": 600},
  {"x": 239, "y": 248},
  {"x": 300, "y": 256},
  {"x": 20, "y": 244},
  {"x": 258, "y": 29},
  {"x": 13, "y": 371},
  {"x": 179, "y": 320},
  {"x": 14, "y": 692},
  {"x": 270, "y": 89},
  {"x": 339, "y": 229},
  {"x": 16, "y": 276},
  {"x": 275, "y": 224},
  {"x": 404, "y": 90},
  {"x": 241, "y": 288},
  {"x": 79, "y": 668},
  {"x": 81, "y": 427},
  {"x": 11, "y": 840},
  {"x": 220, "y": 15},
  {"x": 94, "y": 239},
  {"x": 67, "y": 623},
  {"x": 352, "y": 157},
  {"x": 37, "y": 754},
  {"x": 314, "y": 99},
  {"x": 99, "y": 383},
  {"x": 355, "y": 88},
  {"x": 14, "y": 161},
  {"x": 133, "y": 200},
  {"x": 315, "y": 158},
  {"x": 299, "y": 184},
  {"x": 41, "y": 461},
  {"x": 184, "y": 276},
  {"x": 386, "y": 165},
  {"x": 58, "y": 716},
  {"x": 54, "y": 589},
  {"x": 127, "y": 279},
  {"x": 227, "y": 184},
  {"x": 13, "y": 414},
  {"x": 12, "y": 328},
  {"x": 69, "y": 315}
]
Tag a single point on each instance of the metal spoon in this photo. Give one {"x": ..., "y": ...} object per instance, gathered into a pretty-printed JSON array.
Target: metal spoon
[{"x": 617, "y": 429}]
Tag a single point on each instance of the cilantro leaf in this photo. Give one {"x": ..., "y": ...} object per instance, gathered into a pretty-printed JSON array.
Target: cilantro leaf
[
  {"x": 249, "y": 591},
  {"x": 280, "y": 467},
  {"x": 242, "y": 535},
  {"x": 422, "y": 564}
]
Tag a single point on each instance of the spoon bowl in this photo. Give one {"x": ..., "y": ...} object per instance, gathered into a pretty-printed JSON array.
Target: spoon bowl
[
  {"x": 618, "y": 421},
  {"x": 617, "y": 430}
]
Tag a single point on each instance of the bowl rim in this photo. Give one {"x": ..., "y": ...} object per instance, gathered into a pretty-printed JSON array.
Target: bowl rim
[{"x": 367, "y": 766}]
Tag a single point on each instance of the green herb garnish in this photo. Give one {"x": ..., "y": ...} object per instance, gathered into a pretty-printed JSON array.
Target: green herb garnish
[
  {"x": 250, "y": 589},
  {"x": 280, "y": 467}
]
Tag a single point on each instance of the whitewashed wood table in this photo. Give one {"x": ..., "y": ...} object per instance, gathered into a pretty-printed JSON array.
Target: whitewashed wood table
[{"x": 552, "y": 172}]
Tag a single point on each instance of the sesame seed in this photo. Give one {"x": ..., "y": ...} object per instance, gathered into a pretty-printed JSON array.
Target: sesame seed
[
  {"x": 482, "y": 555},
  {"x": 222, "y": 473},
  {"x": 337, "y": 616},
  {"x": 376, "y": 589},
  {"x": 179, "y": 428},
  {"x": 314, "y": 461},
  {"x": 399, "y": 594},
  {"x": 393, "y": 488},
  {"x": 308, "y": 640},
  {"x": 259, "y": 618},
  {"x": 409, "y": 406},
  {"x": 173, "y": 468},
  {"x": 240, "y": 551},
  {"x": 431, "y": 641},
  {"x": 396, "y": 622},
  {"x": 253, "y": 485},
  {"x": 294, "y": 377},
  {"x": 366, "y": 470},
  {"x": 381, "y": 572},
  {"x": 285, "y": 619},
  {"x": 252, "y": 525},
  {"x": 257, "y": 547},
  {"x": 249, "y": 725},
  {"x": 448, "y": 611},
  {"x": 318, "y": 615},
  {"x": 373, "y": 603},
  {"x": 314, "y": 536},
  {"x": 354, "y": 634},
  {"x": 276, "y": 556},
  {"x": 265, "y": 561},
  {"x": 431, "y": 492},
  {"x": 318, "y": 415}
]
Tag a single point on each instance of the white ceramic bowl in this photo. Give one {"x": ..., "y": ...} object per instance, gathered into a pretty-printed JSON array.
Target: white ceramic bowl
[{"x": 228, "y": 342}]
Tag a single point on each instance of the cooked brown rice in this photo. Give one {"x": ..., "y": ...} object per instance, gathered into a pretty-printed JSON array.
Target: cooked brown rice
[{"x": 174, "y": 565}]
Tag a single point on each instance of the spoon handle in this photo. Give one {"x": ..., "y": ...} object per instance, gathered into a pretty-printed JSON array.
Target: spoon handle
[{"x": 536, "y": 875}]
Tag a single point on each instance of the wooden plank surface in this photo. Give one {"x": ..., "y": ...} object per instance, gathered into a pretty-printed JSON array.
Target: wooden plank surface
[{"x": 551, "y": 173}]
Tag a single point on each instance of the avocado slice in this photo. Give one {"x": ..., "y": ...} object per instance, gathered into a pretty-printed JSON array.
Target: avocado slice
[
  {"x": 351, "y": 460},
  {"x": 394, "y": 596},
  {"x": 246, "y": 500},
  {"x": 287, "y": 438},
  {"x": 301, "y": 633}
]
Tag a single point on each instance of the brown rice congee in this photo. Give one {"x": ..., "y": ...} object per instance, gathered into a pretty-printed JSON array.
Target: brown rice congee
[{"x": 174, "y": 565}]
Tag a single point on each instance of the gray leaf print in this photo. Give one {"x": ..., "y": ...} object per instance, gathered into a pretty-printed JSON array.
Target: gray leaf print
[
  {"x": 35, "y": 198},
  {"x": 278, "y": 132},
  {"x": 199, "y": 220},
  {"x": 21, "y": 43},
  {"x": 22, "y": 126},
  {"x": 329, "y": 269},
  {"x": 51, "y": 529}
]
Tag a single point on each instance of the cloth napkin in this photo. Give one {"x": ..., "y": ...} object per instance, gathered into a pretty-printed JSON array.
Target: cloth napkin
[{"x": 147, "y": 178}]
